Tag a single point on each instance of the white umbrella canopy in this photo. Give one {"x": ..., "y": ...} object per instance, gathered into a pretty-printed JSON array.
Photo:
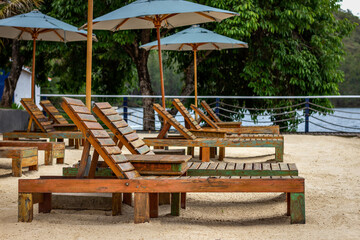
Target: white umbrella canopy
[
  {"x": 36, "y": 26},
  {"x": 145, "y": 14},
  {"x": 195, "y": 39}
]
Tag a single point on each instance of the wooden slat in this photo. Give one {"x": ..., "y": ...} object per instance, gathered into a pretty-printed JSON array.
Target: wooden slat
[
  {"x": 248, "y": 166},
  {"x": 109, "y": 111},
  {"x": 80, "y": 109},
  {"x": 230, "y": 166},
  {"x": 73, "y": 101},
  {"x": 143, "y": 150},
  {"x": 93, "y": 125},
  {"x": 221, "y": 166},
  {"x": 239, "y": 166},
  {"x": 204, "y": 165},
  {"x": 131, "y": 137},
  {"x": 87, "y": 117},
  {"x": 105, "y": 141},
  {"x": 266, "y": 166},
  {"x": 213, "y": 166},
  {"x": 118, "y": 158},
  {"x": 275, "y": 166},
  {"x": 292, "y": 167},
  {"x": 126, "y": 130},
  {"x": 284, "y": 166},
  {"x": 257, "y": 166},
  {"x": 120, "y": 124},
  {"x": 126, "y": 166},
  {"x": 99, "y": 133},
  {"x": 137, "y": 143},
  {"x": 112, "y": 150},
  {"x": 116, "y": 117},
  {"x": 103, "y": 105},
  {"x": 196, "y": 165}
]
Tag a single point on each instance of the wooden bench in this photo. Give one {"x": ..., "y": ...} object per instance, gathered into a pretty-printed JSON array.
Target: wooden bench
[
  {"x": 52, "y": 149},
  {"x": 21, "y": 157}
]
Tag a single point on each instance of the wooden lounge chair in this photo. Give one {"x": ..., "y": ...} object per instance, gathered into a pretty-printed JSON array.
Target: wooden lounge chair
[
  {"x": 55, "y": 115},
  {"x": 39, "y": 190},
  {"x": 188, "y": 139},
  {"x": 46, "y": 128},
  {"x": 248, "y": 129},
  {"x": 214, "y": 126}
]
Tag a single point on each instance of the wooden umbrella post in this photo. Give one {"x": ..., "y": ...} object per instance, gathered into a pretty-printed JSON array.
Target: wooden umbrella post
[
  {"x": 33, "y": 69},
  {"x": 89, "y": 54},
  {"x": 195, "y": 80},
  {"x": 161, "y": 65}
]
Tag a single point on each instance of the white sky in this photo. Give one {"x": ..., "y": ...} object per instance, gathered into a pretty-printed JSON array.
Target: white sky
[{"x": 352, "y": 5}]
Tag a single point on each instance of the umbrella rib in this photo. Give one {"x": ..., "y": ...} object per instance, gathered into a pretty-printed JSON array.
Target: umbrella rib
[
  {"x": 216, "y": 46},
  {"x": 207, "y": 16},
  {"x": 61, "y": 38},
  {"x": 181, "y": 46},
  {"x": 120, "y": 24},
  {"x": 167, "y": 16}
]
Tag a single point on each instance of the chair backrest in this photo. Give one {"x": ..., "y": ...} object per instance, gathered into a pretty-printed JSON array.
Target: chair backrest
[
  {"x": 53, "y": 113},
  {"x": 204, "y": 117},
  {"x": 209, "y": 110},
  {"x": 99, "y": 138},
  {"x": 173, "y": 122},
  {"x": 126, "y": 135},
  {"x": 185, "y": 113},
  {"x": 36, "y": 115}
]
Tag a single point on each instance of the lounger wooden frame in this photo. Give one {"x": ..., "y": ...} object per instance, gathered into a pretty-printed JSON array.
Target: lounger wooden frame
[
  {"x": 188, "y": 139},
  {"x": 40, "y": 190},
  {"x": 248, "y": 129}
]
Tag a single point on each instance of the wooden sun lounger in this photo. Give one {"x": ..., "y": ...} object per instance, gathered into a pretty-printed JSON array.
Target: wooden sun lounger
[
  {"x": 21, "y": 157},
  {"x": 56, "y": 117},
  {"x": 46, "y": 127},
  {"x": 52, "y": 149},
  {"x": 33, "y": 191},
  {"x": 188, "y": 139},
  {"x": 247, "y": 129}
]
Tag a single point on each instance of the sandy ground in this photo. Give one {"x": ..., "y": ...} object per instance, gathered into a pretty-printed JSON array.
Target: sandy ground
[{"x": 330, "y": 165}]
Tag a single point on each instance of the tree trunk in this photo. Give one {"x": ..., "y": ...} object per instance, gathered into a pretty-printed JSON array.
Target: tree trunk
[
  {"x": 11, "y": 81},
  {"x": 140, "y": 58}
]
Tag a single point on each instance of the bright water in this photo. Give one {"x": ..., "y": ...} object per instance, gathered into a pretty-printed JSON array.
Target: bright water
[{"x": 347, "y": 119}]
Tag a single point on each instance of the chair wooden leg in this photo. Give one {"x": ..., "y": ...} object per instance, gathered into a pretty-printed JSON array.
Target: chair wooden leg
[
  {"x": 164, "y": 198},
  {"x": 141, "y": 208},
  {"x": 127, "y": 198},
  {"x": 71, "y": 142},
  {"x": 116, "y": 204},
  {"x": 212, "y": 152},
  {"x": 205, "y": 154},
  {"x": 16, "y": 167},
  {"x": 297, "y": 208},
  {"x": 175, "y": 204},
  {"x": 279, "y": 153},
  {"x": 221, "y": 154},
  {"x": 154, "y": 205},
  {"x": 288, "y": 203},
  {"x": 25, "y": 207},
  {"x": 45, "y": 204},
  {"x": 183, "y": 200},
  {"x": 48, "y": 157}
]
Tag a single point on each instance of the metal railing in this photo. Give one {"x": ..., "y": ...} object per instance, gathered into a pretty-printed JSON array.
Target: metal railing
[{"x": 305, "y": 116}]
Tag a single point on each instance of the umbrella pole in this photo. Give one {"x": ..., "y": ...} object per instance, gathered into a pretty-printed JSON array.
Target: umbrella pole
[
  {"x": 89, "y": 53},
  {"x": 195, "y": 81},
  {"x": 161, "y": 67},
  {"x": 33, "y": 71}
]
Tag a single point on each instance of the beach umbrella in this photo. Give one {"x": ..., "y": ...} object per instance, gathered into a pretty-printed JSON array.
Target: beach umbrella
[
  {"x": 195, "y": 39},
  {"x": 36, "y": 26},
  {"x": 145, "y": 14}
]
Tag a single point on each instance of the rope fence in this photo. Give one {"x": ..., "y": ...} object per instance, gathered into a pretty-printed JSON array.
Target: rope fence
[{"x": 305, "y": 116}]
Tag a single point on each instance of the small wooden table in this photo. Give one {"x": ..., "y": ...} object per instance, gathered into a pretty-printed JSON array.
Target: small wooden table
[
  {"x": 52, "y": 149},
  {"x": 21, "y": 157}
]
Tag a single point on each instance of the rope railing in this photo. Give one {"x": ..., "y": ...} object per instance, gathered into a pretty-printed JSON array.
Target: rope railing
[{"x": 294, "y": 115}]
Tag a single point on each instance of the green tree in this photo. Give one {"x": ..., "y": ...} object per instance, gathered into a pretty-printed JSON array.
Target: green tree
[
  {"x": 7, "y": 9},
  {"x": 295, "y": 48}
]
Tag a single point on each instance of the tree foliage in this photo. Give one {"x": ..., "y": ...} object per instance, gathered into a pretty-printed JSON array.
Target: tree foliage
[{"x": 295, "y": 48}]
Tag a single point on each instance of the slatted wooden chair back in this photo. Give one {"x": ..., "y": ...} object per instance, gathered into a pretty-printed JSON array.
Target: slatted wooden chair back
[
  {"x": 209, "y": 110},
  {"x": 204, "y": 117},
  {"x": 126, "y": 135},
  {"x": 37, "y": 116},
  {"x": 53, "y": 113},
  {"x": 173, "y": 122},
  {"x": 185, "y": 113},
  {"x": 96, "y": 135}
]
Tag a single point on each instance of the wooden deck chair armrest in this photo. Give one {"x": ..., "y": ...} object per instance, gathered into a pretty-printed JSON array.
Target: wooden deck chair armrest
[{"x": 208, "y": 133}]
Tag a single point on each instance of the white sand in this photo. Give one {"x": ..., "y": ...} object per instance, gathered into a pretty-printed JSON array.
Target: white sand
[{"x": 330, "y": 165}]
